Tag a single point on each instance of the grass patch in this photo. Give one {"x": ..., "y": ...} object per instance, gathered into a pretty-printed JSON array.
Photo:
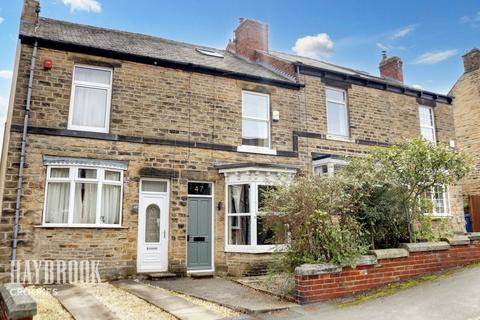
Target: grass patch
[{"x": 393, "y": 288}]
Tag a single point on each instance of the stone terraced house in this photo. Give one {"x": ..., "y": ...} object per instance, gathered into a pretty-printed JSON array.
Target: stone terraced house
[
  {"x": 467, "y": 116},
  {"x": 150, "y": 155}
]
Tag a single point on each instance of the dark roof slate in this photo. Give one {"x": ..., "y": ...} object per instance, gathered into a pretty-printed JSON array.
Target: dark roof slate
[{"x": 144, "y": 45}]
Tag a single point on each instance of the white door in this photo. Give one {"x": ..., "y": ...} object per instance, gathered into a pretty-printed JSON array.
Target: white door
[{"x": 152, "y": 253}]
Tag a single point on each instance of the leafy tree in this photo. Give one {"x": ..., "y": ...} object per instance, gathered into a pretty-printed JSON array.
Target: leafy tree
[
  {"x": 317, "y": 211},
  {"x": 412, "y": 168}
]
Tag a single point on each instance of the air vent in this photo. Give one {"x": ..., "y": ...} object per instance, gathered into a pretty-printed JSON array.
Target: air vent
[{"x": 209, "y": 52}]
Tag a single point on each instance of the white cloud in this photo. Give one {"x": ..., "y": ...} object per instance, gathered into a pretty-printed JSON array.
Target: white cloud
[
  {"x": 319, "y": 46},
  {"x": 465, "y": 19},
  {"x": 382, "y": 46},
  {"x": 389, "y": 47},
  {"x": 417, "y": 86},
  {"x": 3, "y": 109},
  {"x": 6, "y": 74},
  {"x": 435, "y": 57},
  {"x": 1, "y": 19},
  {"x": 473, "y": 21},
  {"x": 83, "y": 5},
  {"x": 403, "y": 32}
]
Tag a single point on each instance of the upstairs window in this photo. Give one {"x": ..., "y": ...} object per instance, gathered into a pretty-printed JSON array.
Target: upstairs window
[
  {"x": 427, "y": 123},
  {"x": 255, "y": 119},
  {"x": 90, "y": 99},
  {"x": 337, "y": 113}
]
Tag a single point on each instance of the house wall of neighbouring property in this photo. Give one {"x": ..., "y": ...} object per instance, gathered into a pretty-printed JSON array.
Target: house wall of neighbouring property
[
  {"x": 178, "y": 106},
  {"x": 467, "y": 116}
]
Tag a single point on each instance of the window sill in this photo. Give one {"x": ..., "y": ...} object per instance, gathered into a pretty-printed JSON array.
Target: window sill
[
  {"x": 253, "y": 149},
  {"x": 255, "y": 248},
  {"x": 439, "y": 216},
  {"x": 49, "y": 226},
  {"x": 88, "y": 129},
  {"x": 340, "y": 138}
]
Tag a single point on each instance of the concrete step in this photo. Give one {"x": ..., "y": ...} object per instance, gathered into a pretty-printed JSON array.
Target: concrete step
[
  {"x": 201, "y": 275},
  {"x": 159, "y": 275}
]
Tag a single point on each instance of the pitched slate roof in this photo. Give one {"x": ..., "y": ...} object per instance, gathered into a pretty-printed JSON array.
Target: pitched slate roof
[
  {"x": 143, "y": 45},
  {"x": 336, "y": 68}
]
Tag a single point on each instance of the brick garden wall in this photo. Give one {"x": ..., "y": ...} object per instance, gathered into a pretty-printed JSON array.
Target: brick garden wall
[{"x": 335, "y": 282}]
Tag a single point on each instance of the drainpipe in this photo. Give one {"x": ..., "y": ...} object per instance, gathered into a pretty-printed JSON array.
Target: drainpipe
[
  {"x": 22, "y": 154},
  {"x": 297, "y": 72}
]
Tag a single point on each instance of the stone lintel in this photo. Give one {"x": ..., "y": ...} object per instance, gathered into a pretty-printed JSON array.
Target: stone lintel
[
  {"x": 389, "y": 253},
  {"x": 317, "y": 269},
  {"x": 18, "y": 302},
  {"x": 426, "y": 246}
]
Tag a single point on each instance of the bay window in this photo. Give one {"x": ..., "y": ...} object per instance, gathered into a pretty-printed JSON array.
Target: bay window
[
  {"x": 90, "y": 99},
  {"x": 327, "y": 166},
  {"x": 79, "y": 196},
  {"x": 245, "y": 221},
  {"x": 440, "y": 201}
]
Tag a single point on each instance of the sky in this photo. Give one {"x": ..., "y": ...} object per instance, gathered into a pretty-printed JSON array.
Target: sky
[{"x": 429, "y": 35}]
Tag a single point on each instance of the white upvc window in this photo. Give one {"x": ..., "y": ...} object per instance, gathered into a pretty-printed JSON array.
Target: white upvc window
[
  {"x": 440, "y": 201},
  {"x": 337, "y": 112},
  {"x": 255, "y": 120},
  {"x": 90, "y": 99},
  {"x": 327, "y": 166},
  {"x": 427, "y": 123},
  {"x": 246, "y": 231},
  {"x": 77, "y": 196}
]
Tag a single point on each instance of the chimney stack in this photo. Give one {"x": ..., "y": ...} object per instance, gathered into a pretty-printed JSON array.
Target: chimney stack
[
  {"x": 391, "y": 68},
  {"x": 250, "y": 36},
  {"x": 30, "y": 12},
  {"x": 471, "y": 60}
]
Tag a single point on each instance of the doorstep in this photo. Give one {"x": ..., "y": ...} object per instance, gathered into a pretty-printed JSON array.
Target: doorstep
[
  {"x": 158, "y": 275},
  {"x": 201, "y": 275}
]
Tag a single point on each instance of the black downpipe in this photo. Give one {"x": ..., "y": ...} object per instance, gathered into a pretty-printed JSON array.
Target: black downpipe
[{"x": 22, "y": 154}]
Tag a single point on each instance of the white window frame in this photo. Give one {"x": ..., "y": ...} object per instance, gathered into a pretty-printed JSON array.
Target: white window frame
[
  {"x": 428, "y": 126},
  {"x": 92, "y": 85},
  {"x": 446, "y": 202},
  {"x": 345, "y": 104},
  {"x": 330, "y": 163},
  {"x": 253, "y": 247},
  {"x": 257, "y": 149},
  {"x": 73, "y": 179}
]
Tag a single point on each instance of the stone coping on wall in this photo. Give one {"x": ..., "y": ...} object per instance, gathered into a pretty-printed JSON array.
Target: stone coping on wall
[
  {"x": 16, "y": 303},
  {"x": 426, "y": 246},
  {"x": 390, "y": 253},
  {"x": 317, "y": 282}
]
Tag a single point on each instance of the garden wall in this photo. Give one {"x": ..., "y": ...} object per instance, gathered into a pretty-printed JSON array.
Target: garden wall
[{"x": 327, "y": 281}]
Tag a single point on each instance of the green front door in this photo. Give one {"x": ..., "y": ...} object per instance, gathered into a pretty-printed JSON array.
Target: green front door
[{"x": 199, "y": 237}]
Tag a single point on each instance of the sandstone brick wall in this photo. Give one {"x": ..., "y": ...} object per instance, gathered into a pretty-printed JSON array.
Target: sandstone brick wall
[
  {"x": 467, "y": 116},
  {"x": 158, "y": 102}
]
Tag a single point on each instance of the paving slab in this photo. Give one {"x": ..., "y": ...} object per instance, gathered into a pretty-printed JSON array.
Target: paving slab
[
  {"x": 82, "y": 305},
  {"x": 176, "y": 306},
  {"x": 226, "y": 293}
]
